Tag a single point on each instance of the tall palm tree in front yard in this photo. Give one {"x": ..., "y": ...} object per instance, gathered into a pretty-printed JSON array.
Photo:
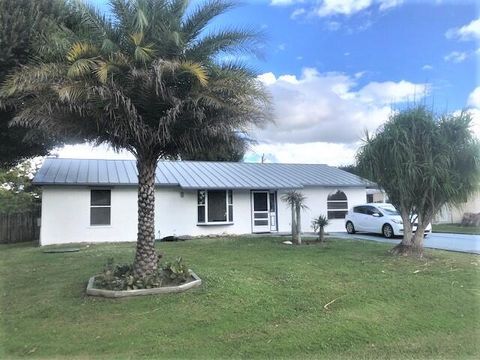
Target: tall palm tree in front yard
[
  {"x": 147, "y": 79},
  {"x": 296, "y": 200}
]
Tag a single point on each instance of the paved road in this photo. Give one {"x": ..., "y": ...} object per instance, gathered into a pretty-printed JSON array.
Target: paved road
[{"x": 444, "y": 241}]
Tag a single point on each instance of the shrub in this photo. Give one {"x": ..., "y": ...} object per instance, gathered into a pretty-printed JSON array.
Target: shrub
[{"x": 121, "y": 277}]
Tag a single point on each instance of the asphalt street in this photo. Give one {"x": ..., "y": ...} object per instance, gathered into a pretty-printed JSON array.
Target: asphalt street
[{"x": 443, "y": 241}]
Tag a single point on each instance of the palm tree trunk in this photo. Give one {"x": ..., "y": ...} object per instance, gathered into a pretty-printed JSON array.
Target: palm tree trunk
[
  {"x": 322, "y": 234},
  {"x": 299, "y": 224},
  {"x": 294, "y": 226},
  {"x": 417, "y": 242},
  {"x": 146, "y": 258},
  {"x": 405, "y": 246}
]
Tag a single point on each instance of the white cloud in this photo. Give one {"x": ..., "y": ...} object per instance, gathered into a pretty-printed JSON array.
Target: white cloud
[
  {"x": 388, "y": 4},
  {"x": 392, "y": 92},
  {"x": 297, "y": 12},
  {"x": 456, "y": 57},
  {"x": 467, "y": 32},
  {"x": 475, "y": 124},
  {"x": 87, "y": 151},
  {"x": 319, "y": 117},
  {"x": 350, "y": 7},
  {"x": 308, "y": 153},
  {"x": 474, "y": 98},
  {"x": 335, "y": 7},
  {"x": 327, "y": 107},
  {"x": 427, "y": 67}
]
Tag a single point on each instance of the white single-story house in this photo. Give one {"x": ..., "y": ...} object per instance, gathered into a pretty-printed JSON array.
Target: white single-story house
[{"x": 96, "y": 200}]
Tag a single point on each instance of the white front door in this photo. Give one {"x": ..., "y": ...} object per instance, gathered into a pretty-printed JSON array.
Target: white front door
[{"x": 260, "y": 211}]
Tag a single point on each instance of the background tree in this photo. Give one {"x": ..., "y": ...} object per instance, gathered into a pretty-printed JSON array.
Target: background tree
[
  {"x": 423, "y": 162},
  {"x": 296, "y": 200},
  {"x": 352, "y": 169},
  {"x": 25, "y": 25},
  {"x": 145, "y": 79},
  {"x": 17, "y": 194}
]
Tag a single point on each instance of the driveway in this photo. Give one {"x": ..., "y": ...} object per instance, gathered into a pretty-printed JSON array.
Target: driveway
[{"x": 443, "y": 241}]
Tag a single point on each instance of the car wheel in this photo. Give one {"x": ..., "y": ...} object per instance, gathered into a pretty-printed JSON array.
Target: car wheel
[
  {"x": 350, "y": 228},
  {"x": 387, "y": 231}
]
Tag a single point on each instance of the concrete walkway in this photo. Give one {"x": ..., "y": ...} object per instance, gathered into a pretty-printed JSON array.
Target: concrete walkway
[{"x": 443, "y": 241}]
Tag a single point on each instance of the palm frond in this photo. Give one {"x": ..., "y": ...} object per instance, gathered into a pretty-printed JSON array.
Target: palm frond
[
  {"x": 144, "y": 54},
  {"x": 196, "y": 22},
  {"x": 103, "y": 69},
  {"x": 98, "y": 24},
  {"x": 137, "y": 38},
  {"x": 81, "y": 67},
  {"x": 31, "y": 79},
  {"x": 81, "y": 50},
  {"x": 197, "y": 70},
  {"x": 227, "y": 41}
]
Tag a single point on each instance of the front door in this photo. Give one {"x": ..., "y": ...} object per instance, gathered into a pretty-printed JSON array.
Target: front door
[{"x": 260, "y": 211}]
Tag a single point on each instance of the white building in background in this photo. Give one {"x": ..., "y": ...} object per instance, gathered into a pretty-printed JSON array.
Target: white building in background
[
  {"x": 453, "y": 214},
  {"x": 96, "y": 200}
]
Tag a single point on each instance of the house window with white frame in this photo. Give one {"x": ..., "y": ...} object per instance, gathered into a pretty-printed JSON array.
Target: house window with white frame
[
  {"x": 215, "y": 206},
  {"x": 337, "y": 205},
  {"x": 100, "y": 207}
]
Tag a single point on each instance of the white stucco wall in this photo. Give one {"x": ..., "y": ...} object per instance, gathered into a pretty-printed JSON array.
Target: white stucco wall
[
  {"x": 66, "y": 214},
  {"x": 454, "y": 215},
  {"x": 177, "y": 215},
  {"x": 317, "y": 205}
]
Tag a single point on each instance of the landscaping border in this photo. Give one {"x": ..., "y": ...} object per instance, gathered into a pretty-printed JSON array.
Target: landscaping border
[{"x": 92, "y": 291}]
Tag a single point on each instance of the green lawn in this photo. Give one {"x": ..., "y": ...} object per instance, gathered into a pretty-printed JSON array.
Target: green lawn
[
  {"x": 456, "y": 229},
  {"x": 260, "y": 299}
]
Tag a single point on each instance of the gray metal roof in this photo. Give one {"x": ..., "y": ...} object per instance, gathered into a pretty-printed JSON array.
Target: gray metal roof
[{"x": 195, "y": 174}]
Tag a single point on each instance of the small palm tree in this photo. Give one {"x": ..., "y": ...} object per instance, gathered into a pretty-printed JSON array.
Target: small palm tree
[
  {"x": 318, "y": 225},
  {"x": 147, "y": 79},
  {"x": 296, "y": 200}
]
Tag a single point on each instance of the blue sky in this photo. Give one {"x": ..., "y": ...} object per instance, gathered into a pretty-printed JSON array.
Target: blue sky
[
  {"x": 336, "y": 68},
  {"x": 390, "y": 45}
]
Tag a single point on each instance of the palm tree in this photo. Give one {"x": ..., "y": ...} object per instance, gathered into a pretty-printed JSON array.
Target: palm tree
[
  {"x": 423, "y": 162},
  {"x": 296, "y": 200},
  {"x": 148, "y": 79},
  {"x": 319, "y": 223}
]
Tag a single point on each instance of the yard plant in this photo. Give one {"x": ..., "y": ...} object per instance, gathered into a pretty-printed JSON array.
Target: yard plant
[
  {"x": 149, "y": 78},
  {"x": 422, "y": 162},
  {"x": 318, "y": 225},
  {"x": 259, "y": 299},
  {"x": 296, "y": 200}
]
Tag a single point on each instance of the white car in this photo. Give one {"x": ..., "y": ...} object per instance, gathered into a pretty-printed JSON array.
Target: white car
[{"x": 377, "y": 218}]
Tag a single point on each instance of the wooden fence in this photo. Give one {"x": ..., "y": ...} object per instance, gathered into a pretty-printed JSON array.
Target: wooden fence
[{"x": 19, "y": 227}]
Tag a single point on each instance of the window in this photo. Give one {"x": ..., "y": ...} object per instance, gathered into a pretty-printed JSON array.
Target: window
[
  {"x": 337, "y": 205},
  {"x": 100, "y": 204},
  {"x": 369, "y": 198},
  {"x": 359, "y": 209},
  {"x": 215, "y": 206},
  {"x": 370, "y": 210}
]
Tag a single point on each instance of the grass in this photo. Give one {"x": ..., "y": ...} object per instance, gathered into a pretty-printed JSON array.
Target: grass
[
  {"x": 456, "y": 229},
  {"x": 260, "y": 299}
]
